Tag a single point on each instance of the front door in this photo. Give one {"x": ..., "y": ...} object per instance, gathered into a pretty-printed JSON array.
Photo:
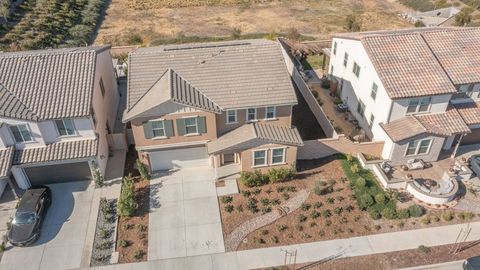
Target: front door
[{"x": 228, "y": 158}]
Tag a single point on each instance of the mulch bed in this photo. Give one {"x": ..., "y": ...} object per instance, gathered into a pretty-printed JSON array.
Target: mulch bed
[{"x": 134, "y": 229}]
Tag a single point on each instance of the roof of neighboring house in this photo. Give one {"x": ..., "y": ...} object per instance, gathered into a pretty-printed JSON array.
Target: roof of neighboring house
[
  {"x": 47, "y": 84},
  {"x": 440, "y": 124},
  {"x": 57, "y": 151},
  {"x": 230, "y": 75},
  {"x": 470, "y": 112},
  {"x": 253, "y": 135},
  {"x": 422, "y": 61},
  {"x": 6, "y": 157}
]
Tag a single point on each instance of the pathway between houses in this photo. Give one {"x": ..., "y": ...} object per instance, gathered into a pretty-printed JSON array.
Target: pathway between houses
[
  {"x": 310, "y": 252},
  {"x": 234, "y": 239}
]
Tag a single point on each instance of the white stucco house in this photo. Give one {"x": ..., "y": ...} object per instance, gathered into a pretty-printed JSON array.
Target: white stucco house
[
  {"x": 418, "y": 90},
  {"x": 56, "y": 109}
]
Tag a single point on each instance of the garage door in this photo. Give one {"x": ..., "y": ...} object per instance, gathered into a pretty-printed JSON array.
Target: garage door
[
  {"x": 58, "y": 173},
  {"x": 178, "y": 158},
  {"x": 471, "y": 138}
]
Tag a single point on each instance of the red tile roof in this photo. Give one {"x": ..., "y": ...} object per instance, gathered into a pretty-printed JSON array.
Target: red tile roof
[{"x": 470, "y": 112}]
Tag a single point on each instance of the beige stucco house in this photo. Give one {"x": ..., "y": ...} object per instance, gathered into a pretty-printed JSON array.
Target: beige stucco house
[
  {"x": 57, "y": 108},
  {"x": 216, "y": 104}
]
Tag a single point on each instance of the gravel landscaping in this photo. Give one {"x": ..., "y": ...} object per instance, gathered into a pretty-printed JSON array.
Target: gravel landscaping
[{"x": 104, "y": 241}]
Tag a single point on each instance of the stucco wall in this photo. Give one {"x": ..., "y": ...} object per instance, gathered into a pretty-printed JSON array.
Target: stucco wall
[
  {"x": 247, "y": 157},
  {"x": 141, "y": 141},
  {"x": 283, "y": 118},
  {"x": 438, "y": 104},
  {"x": 399, "y": 149},
  {"x": 35, "y": 132}
]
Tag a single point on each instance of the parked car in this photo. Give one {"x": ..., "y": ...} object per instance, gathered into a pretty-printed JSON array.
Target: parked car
[
  {"x": 31, "y": 211},
  {"x": 472, "y": 263}
]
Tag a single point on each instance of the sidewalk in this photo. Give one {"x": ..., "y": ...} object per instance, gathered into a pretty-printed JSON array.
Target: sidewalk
[{"x": 311, "y": 252}]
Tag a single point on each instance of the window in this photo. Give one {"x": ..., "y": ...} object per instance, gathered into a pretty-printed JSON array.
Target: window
[
  {"x": 334, "y": 48},
  {"x": 65, "y": 127},
  {"x": 278, "y": 155},
  {"x": 373, "y": 93},
  {"x": 345, "y": 60},
  {"x": 419, "y": 105},
  {"x": 418, "y": 147},
  {"x": 231, "y": 116},
  {"x": 372, "y": 120},
  {"x": 260, "y": 158},
  {"x": 361, "y": 108},
  {"x": 21, "y": 133},
  {"x": 191, "y": 125},
  {"x": 251, "y": 114},
  {"x": 270, "y": 112},
  {"x": 102, "y": 87},
  {"x": 331, "y": 69},
  {"x": 356, "y": 69},
  {"x": 94, "y": 118},
  {"x": 158, "y": 128}
]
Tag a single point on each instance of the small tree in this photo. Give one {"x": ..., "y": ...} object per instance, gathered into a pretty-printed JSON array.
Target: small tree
[
  {"x": 353, "y": 23},
  {"x": 97, "y": 175},
  {"x": 142, "y": 169},
  {"x": 464, "y": 17},
  {"x": 419, "y": 24},
  {"x": 5, "y": 9},
  {"x": 126, "y": 202}
]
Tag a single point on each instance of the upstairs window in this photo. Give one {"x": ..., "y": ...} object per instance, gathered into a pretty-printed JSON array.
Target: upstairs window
[
  {"x": 102, "y": 87},
  {"x": 356, "y": 69},
  {"x": 419, "y": 105},
  {"x": 21, "y": 133},
  {"x": 373, "y": 93},
  {"x": 251, "y": 114},
  {"x": 270, "y": 112},
  {"x": 361, "y": 108},
  {"x": 345, "y": 60},
  {"x": 231, "y": 116},
  {"x": 65, "y": 127},
  {"x": 158, "y": 128},
  {"x": 191, "y": 125},
  {"x": 372, "y": 120},
  {"x": 334, "y": 48}
]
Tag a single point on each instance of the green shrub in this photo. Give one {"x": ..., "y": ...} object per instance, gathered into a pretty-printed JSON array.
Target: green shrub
[
  {"x": 364, "y": 201},
  {"x": 253, "y": 179},
  {"x": 374, "y": 213},
  {"x": 305, "y": 206},
  {"x": 448, "y": 215},
  {"x": 338, "y": 210},
  {"x": 252, "y": 205},
  {"x": 126, "y": 201},
  {"x": 326, "y": 213},
  {"x": 321, "y": 188},
  {"x": 424, "y": 249},
  {"x": 416, "y": 210},
  {"x": 360, "y": 183},
  {"x": 403, "y": 213},
  {"x": 315, "y": 214},
  {"x": 265, "y": 201},
  {"x": 330, "y": 200},
  {"x": 317, "y": 205},
  {"x": 138, "y": 254},
  {"x": 380, "y": 198},
  {"x": 239, "y": 208},
  {"x": 355, "y": 168},
  {"x": 425, "y": 220},
  {"x": 142, "y": 169},
  {"x": 281, "y": 174},
  {"x": 123, "y": 243},
  {"x": 267, "y": 209},
  {"x": 302, "y": 218},
  {"x": 389, "y": 213},
  {"x": 226, "y": 199},
  {"x": 285, "y": 196},
  {"x": 229, "y": 208},
  {"x": 282, "y": 227},
  {"x": 246, "y": 193}
]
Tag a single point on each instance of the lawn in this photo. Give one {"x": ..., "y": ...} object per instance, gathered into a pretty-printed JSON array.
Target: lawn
[
  {"x": 312, "y": 62},
  {"x": 339, "y": 205}
]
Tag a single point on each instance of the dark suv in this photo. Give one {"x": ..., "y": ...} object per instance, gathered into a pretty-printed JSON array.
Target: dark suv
[
  {"x": 30, "y": 214},
  {"x": 472, "y": 263}
]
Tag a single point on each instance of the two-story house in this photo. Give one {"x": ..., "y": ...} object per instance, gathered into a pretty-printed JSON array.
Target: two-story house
[
  {"x": 418, "y": 90},
  {"x": 56, "y": 109},
  {"x": 212, "y": 104}
]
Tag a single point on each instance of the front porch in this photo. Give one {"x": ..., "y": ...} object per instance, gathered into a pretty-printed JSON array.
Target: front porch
[{"x": 226, "y": 171}]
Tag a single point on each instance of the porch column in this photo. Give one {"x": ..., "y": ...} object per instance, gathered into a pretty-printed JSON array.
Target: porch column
[{"x": 457, "y": 145}]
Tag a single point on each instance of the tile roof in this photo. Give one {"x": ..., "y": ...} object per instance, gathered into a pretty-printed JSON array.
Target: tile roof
[
  {"x": 422, "y": 61},
  {"x": 440, "y": 124},
  {"x": 231, "y": 74},
  {"x": 57, "y": 151},
  {"x": 6, "y": 157},
  {"x": 470, "y": 112},
  {"x": 253, "y": 135},
  {"x": 47, "y": 84}
]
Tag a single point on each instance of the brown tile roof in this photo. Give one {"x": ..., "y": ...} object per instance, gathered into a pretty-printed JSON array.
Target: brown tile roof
[
  {"x": 470, "y": 112},
  {"x": 440, "y": 124},
  {"x": 253, "y": 135},
  {"x": 57, "y": 151},
  {"x": 6, "y": 157},
  {"x": 458, "y": 51}
]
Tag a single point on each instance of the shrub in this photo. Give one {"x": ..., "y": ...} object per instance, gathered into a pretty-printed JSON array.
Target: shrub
[
  {"x": 340, "y": 198},
  {"x": 435, "y": 219},
  {"x": 291, "y": 189},
  {"x": 448, "y": 215},
  {"x": 425, "y": 220},
  {"x": 424, "y": 249},
  {"x": 349, "y": 208},
  {"x": 326, "y": 213},
  {"x": 274, "y": 239},
  {"x": 138, "y": 254},
  {"x": 275, "y": 202},
  {"x": 252, "y": 205},
  {"x": 302, "y": 218},
  {"x": 142, "y": 228},
  {"x": 360, "y": 183},
  {"x": 364, "y": 201},
  {"x": 253, "y": 179},
  {"x": 227, "y": 199},
  {"x": 282, "y": 227},
  {"x": 285, "y": 196},
  {"x": 321, "y": 188},
  {"x": 142, "y": 169},
  {"x": 330, "y": 200},
  {"x": 389, "y": 212},
  {"x": 239, "y": 208},
  {"x": 315, "y": 214},
  {"x": 123, "y": 243},
  {"x": 266, "y": 210},
  {"x": 265, "y": 201},
  {"x": 350, "y": 158},
  {"x": 377, "y": 227},
  {"x": 380, "y": 198},
  {"x": 416, "y": 210},
  {"x": 403, "y": 213},
  {"x": 246, "y": 193},
  {"x": 229, "y": 208},
  {"x": 374, "y": 213},
  {"x": 338, "y": 210},
  {"x": 281, "y": 174},
  {"x": 299, "y": 227},
  {"x": 328, "y": 222},
  {"x": 280, "y": 189},
  {"x": 305, "y": 206},
  {"x": 313, "y": 224},
  {"x": 352, "y": 23},
  {"x": 355, "y": 168},
  {"x": 317, "y": 205},
  {"x": 257, "y": 191},
  {"x": 126, "y": 201}
]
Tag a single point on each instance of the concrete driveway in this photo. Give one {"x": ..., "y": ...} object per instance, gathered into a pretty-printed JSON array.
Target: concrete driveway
[
  {"x": 63, "y": 235},
  {"x": 184, "y": 216}
]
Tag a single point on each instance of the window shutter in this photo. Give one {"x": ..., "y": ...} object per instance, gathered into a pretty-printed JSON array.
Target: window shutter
[
  {"x": 202, "y": 126},
  {"x": 147, "y": 129},
  {"x": 181, "y": 130},
  {"x": 168, "y": 128}
]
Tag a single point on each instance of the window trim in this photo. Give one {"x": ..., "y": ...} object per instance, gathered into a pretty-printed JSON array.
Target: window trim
[
  {"x": 419, "y": 104},
  {"x": 265, "y": 158},
  {"x": 374, "y": 97},
  {"x": 360, "y": 102},
  {"x": 228, "y": 118},
  {"x": 356, "y": 67},
  {"x": 27, "y": 127},
  {"x": 196, "y": 126},
  {"x": 246, "y": 115},
  {"x": 163, "y": 128},
  {"x": 75, "y": 133},
  {"x": 274, "y": 113},
  {"x": 417, "y": 148},
  {"x": 283, "y": 156}
]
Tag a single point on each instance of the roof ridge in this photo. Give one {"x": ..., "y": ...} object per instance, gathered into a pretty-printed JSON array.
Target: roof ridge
[
  {"x": 3, "y": 87},
  {"x": 56, "y": 51}
]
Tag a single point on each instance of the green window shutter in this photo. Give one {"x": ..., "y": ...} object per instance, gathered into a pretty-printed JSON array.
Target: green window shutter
[
  {"x": 202, "y": 126},
  {"x": 168, "y": 128},
  {"x": 181, "y": 130},
  {"x": 147, "y": 129}
]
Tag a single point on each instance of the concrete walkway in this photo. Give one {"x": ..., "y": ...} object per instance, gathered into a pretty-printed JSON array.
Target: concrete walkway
[{"x": 311, "y": 252}]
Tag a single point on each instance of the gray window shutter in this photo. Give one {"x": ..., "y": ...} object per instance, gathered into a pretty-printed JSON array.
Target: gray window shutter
[
  {"x": 147, "y": 129},
  {"x": 202, "y": 127},
  {"x": 168, "y": 128},
  {"x": 181, "y": 127}
]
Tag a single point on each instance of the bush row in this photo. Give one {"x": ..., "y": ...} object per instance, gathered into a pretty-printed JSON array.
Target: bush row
[{"x": 257, "y": 178}]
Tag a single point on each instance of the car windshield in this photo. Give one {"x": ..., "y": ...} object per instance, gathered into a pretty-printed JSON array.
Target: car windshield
[{"x": 24, "y": 218}]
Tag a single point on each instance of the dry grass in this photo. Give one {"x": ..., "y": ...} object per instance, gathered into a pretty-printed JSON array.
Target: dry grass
[{"x": 126, "y": 23}]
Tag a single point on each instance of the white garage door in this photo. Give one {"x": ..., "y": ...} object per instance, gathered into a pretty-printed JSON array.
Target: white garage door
[{"x": 178, "y": 158}]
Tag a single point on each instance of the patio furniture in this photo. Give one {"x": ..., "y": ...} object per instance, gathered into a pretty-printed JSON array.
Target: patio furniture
[
  {"x": 417, "y": 164},
  {"x": 342, "y": 107},
  {"x": 386, "y": 168}
]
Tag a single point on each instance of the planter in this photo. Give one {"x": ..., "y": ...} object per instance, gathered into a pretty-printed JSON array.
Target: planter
[{"x": 104, "y": 241}]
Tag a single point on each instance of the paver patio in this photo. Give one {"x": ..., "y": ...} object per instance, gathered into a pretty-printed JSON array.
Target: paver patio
[{"x": 184, "y": 215}]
